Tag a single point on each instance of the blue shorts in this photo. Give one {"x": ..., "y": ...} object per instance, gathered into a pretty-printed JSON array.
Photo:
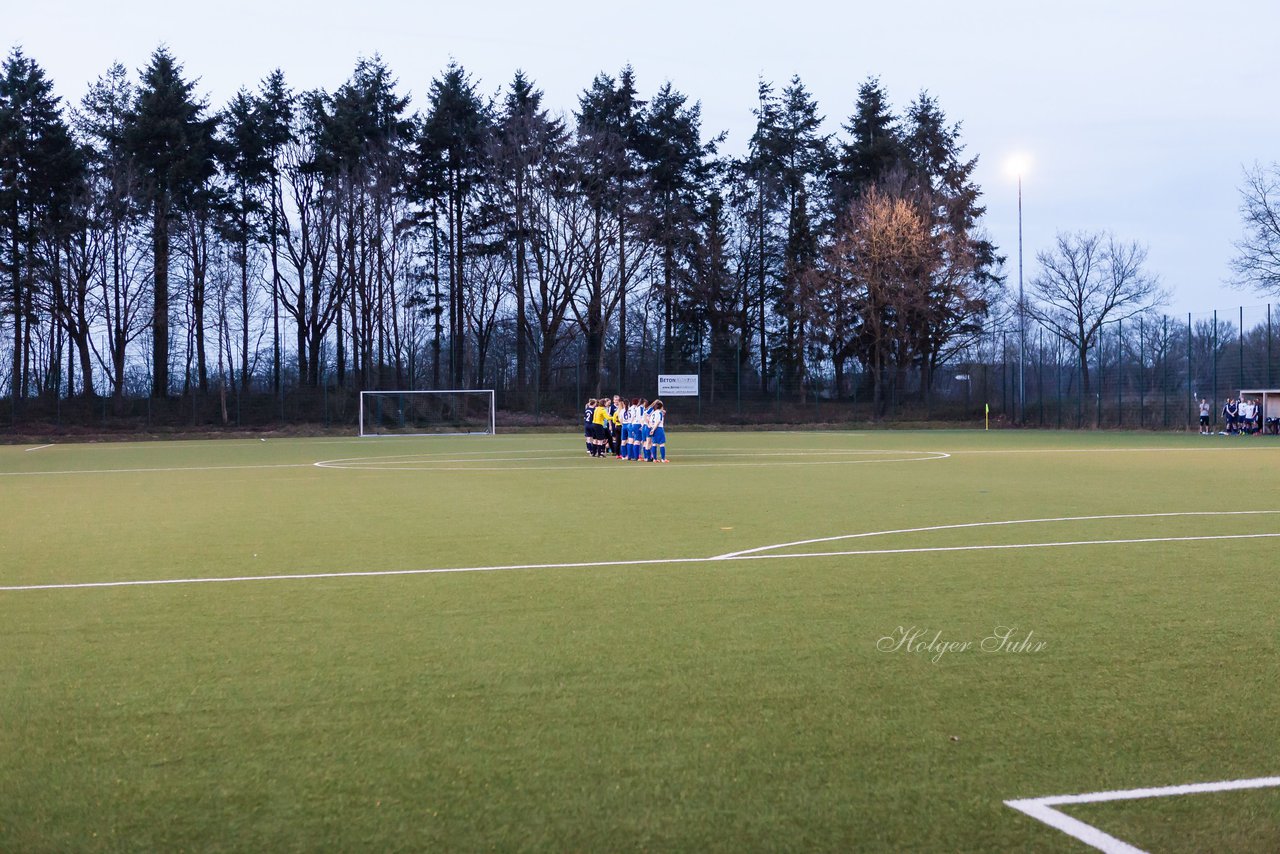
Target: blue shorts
[
  {"x": 659, "y": 436},
  {"x": 644, "y": 433}
]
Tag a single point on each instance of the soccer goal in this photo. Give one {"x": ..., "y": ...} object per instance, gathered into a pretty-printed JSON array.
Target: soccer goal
[{"x": 427, "y": 413}]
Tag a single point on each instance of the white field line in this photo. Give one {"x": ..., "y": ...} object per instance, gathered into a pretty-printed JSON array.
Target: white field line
[
  {"x": 577, "y": 453},
  {"x": 999, "y": 546},
  {"x": 458, "y": 462},
  {"x": 1042, "y": 809},
  {"x": 758, "y": 549},
  {"x": 1259, "y": 446},
  {"x": 156, "y": 470},
  {"x": 392, "y": 464},
  {"x": 452, "y": 457},
  {"x": 38, "y": 448},
  {"x": 596, "y": 564}
]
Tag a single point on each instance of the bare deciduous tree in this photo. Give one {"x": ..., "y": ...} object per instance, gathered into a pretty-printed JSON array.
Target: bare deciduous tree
[
  {"x": 1088, "y": 279},
  {"x": 1257, "y": 262}
]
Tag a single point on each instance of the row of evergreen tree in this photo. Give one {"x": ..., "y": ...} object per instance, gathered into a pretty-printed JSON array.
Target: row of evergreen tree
[{"x": 312, "y": 236}]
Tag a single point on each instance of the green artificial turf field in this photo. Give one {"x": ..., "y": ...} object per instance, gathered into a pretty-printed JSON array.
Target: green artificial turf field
[{"x": 605, "y": 685}]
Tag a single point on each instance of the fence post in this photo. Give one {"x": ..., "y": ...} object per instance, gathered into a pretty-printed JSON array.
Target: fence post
[
  {"x": 1191, "y": 394},
  {"x": 1057, "y": 376},
  {"x": 1164, "y": 378},
  {"x": 1142, "y": 370},
  {"x": 1004, "y": 371},
  {"x": 1120, "y": 373},
  {"x": 1080, "y": 367},
  {"x": 1040, "y": 374},
  {"x": 1097, "y": 396},
  {"x": 1214, "y": 342},
  {"x": 1240, "y": 350}
]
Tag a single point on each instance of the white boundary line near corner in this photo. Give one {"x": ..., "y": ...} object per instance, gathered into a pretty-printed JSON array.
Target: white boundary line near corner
[
  {"x": 1003, "y": 451},
  {"x": 1042, "y": 809},
  {"x": 38, "y": 448},
  {"x": 760, "y": 549},
  {"x": 1002, "y": 546},
  {"x": 609, "y": 563}
]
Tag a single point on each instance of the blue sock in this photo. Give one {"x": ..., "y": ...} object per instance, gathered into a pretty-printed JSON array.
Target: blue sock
[{"x": 662, "y": 449}]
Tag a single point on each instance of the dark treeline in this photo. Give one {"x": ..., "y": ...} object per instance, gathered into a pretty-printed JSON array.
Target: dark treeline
[{"x": 151, "y": 243}]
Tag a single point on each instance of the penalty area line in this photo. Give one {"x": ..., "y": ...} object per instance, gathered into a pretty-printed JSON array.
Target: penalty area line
[
  {"x": 609, "y": 563},
  {"x": 1042, "y": 809}
]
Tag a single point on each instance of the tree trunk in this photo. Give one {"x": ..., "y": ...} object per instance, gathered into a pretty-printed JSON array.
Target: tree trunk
[
  {"x": 160, "y": 292},
  {"x": 244, "y": 309},
  {"x": 460, "y": 344},
  {"x": 275, "y": 296},
  {"x": 622, "y": 300},
  {"x": 17, "y": 391},
  {"x": 1083, "y": 352},
  {"x": 86, "y": 361},
  {"x": 522, "y": 345}
]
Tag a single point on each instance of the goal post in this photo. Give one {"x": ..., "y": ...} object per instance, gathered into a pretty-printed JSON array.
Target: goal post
[{"x": 427, "y": 413}]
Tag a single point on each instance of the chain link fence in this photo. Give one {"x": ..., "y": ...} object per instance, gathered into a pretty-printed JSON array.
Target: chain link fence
[{"x": 1147, "y": 372}]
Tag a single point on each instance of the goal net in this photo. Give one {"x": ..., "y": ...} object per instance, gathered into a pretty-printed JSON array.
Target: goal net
[{"x": 426, "y": 413}]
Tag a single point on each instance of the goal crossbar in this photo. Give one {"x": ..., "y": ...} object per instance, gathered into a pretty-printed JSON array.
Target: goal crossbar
[{"x": 445, "y": 412}]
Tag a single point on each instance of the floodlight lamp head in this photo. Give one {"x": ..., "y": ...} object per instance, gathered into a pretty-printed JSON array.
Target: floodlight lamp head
[{"x": 1017, "y": 165}]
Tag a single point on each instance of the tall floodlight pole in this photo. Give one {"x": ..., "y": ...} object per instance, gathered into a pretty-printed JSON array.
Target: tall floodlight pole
[
  {"x": 1015, "y": 167},
  {"x": 1022, "y": 320}
]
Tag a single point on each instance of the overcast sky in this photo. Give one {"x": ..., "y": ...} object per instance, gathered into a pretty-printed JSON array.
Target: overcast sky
[{"x": 1138, "y": 116}]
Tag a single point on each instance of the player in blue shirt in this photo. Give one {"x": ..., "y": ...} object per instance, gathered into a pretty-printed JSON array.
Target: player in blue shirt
[
  {"x": 658, "y": 432},
  {"x": 629, "y": 426},
  {"x": 642, "y": 440}
]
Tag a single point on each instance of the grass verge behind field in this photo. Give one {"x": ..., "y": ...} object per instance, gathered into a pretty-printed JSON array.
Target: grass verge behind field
[{"x": 721, "y": 706}]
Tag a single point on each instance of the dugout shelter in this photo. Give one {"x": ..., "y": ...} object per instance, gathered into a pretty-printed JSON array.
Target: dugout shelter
[{"x": 1270, "y": 401}]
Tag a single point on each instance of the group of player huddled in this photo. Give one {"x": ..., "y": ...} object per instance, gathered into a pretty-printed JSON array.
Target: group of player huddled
[{"x": 635, "y": 430}]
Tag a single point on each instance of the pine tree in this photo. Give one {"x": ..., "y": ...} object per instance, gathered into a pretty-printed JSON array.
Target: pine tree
[
  {"x": 874, "y": 148},
  {"x": 715, "y": 295},
  {"x": 364, "y": 135},
  {"x": 525, "y": 142},
  {"x": 40, "y": 172},
  {"x": 101, "y": 122},
  {"x": 676, "y": 170},
  {"x": 275, "y": 107},
  {"x": 802, "y": 157},
  {"x": 609, "y": 127},
  {"x": 452, "y": 141},
  {"x": 758, "y": 194},
  {"x": 171, "y": 142},
  {"x": 964, "y": 283},
  {"x": 245, "y": 158}
]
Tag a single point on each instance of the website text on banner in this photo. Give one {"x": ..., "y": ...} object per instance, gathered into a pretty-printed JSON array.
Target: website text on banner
[{"x": 677, "y": 385}]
